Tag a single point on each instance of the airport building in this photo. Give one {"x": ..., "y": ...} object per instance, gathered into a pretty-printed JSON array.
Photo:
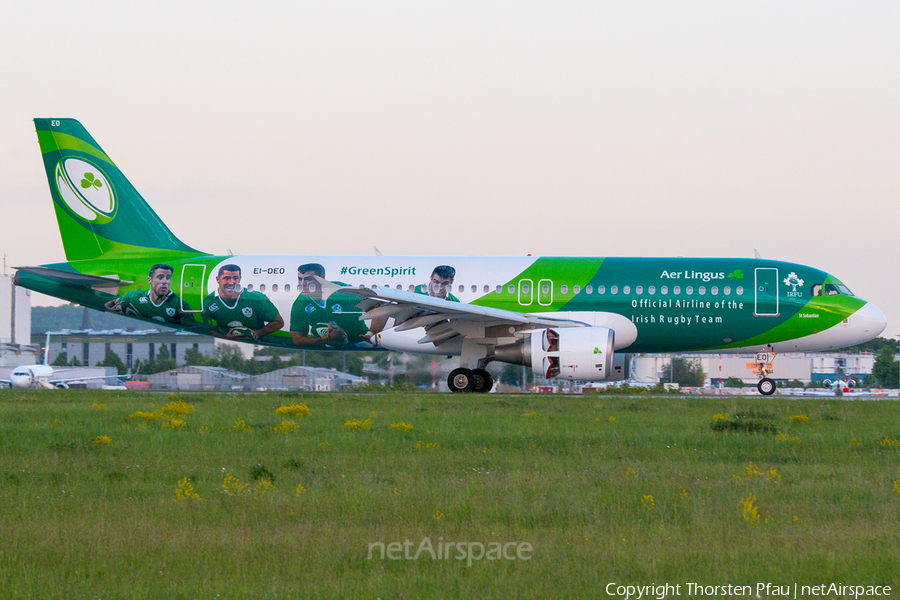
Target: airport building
[
  {"x": 194, "y": 378},
  {"x": 90, "y": 347}
]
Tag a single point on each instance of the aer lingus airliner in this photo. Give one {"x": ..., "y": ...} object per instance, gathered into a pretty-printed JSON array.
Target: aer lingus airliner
[{"x": 565, "y": 317}]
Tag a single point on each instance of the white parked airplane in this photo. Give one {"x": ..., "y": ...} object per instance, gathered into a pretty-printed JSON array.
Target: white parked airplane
[{"x": 43, "y": 375}]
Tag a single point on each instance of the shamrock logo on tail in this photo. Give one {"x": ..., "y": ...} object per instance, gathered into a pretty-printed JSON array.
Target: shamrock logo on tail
[{"x": 89, "y": 180}]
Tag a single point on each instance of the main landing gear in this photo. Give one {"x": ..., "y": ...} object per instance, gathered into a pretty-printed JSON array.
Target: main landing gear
[{"x": 463, "y": 380}]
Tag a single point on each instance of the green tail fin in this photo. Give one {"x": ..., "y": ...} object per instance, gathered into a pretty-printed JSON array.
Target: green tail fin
[{"x": 98, "y": 210}]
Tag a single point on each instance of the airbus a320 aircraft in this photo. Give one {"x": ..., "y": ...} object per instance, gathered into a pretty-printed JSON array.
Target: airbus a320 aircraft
[
  {"x": 563, "y": 317},
  {"x": 43, "y": 376}
]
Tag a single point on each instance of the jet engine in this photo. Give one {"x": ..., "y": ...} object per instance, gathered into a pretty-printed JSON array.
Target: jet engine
[{"x": 577, "y": 353}]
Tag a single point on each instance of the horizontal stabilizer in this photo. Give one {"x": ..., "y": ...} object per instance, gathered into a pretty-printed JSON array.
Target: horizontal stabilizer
[{"x": 109, "y": 283}]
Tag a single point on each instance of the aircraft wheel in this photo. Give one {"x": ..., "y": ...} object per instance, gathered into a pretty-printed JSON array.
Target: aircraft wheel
[
  {"x": 483, "y": 381},
  {"x": 766, "y": 386},
  {"x": 461, "y": 381}
]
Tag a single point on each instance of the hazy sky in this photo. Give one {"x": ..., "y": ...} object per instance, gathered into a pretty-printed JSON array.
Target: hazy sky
[{"x": 579, "y": 128}]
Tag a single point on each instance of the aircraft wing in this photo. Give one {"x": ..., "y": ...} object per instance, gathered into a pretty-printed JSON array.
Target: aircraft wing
[{"x": 443, "y": 319}]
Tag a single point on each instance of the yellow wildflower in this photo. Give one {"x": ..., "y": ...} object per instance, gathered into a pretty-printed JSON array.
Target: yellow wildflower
[
  {"x": 401, "y": 426},
  {"x": 298, "y": 410},
  {"x": 145, "y": 415},
  {"x": 232, "y": 486},
  {"x": 751, "y": 511},
  {"x": 648, "y": 502},
  {"x": 174, "y": 423},
  {"x": 357, "y": 425},
  {"x": 177, "y": 408},
  {"x": 263, "y": 486},
  {"x": 300, "y": 489},
  {"x": 720, "y": 417},
  {"x": 285, "y": 427},
  {"x": 103, "y": 439},
  {"x": 185, "y": 491},
  {"x": 96, "y": 406},
  {"x": 241, "y": 426},
  {"x": 800, "y": 419},
  {"x": 438, "y": 515}
]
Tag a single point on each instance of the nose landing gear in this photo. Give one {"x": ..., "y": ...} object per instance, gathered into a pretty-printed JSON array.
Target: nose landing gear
[{"x": 766, "y": 385}]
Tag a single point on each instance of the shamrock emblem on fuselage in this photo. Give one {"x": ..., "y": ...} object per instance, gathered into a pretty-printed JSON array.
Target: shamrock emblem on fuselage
[{"x": 89, "y": 180}]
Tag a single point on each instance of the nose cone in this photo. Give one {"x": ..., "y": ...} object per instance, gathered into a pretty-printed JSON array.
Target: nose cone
[{"x": 868, "y": 322}]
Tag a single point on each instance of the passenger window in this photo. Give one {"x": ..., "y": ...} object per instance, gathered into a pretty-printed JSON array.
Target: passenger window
[
  {"x": 411, "y": 288},
  {"x": 727, "y": 290},
  {"x": 250, "y": 288},
  {"x": 701, "y": 290},
  {"x": 474, "y": 288},
  {"x": 739, "y": 291},
  {"x": 613, "y": 289},
  {"x": 287, "y": 287},
  {"x": 487, "y": 289},
  {"x": 589, "y": 289},
  {"x": 499, "y": 288},
  {"x": 601, "y": 289},
  {"x": 462, "y": 288},
  {"x": 676, "y": 290},
  {"x": 639, "y": 290},
  {"x": 274, "y": 287},
  {"x": 576, "y": 289},
  {"x": 664, "y": 290},
  {"x": 626, "y": 289},
  {"x": 651, "y": 290},
  {"x": 689, "y": 290},
  {"x": 545, "y": 289},
  {"x": 564, "y": 289},
  {"x": 714, "y": 291},
  {"x": 399, "y": 287},
  {"x": 262, "y": 287},
  {"x": 512, "y": 289}
]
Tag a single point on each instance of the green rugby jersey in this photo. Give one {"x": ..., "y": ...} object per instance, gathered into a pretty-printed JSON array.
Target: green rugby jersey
[
  {"x": 137, "y": 303},
  {"x": 250, "y": 309},
  {"x": 312, "y": 318}
]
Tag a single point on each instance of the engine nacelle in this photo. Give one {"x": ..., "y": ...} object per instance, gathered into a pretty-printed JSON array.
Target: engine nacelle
[{"x": 576, "y": 353}]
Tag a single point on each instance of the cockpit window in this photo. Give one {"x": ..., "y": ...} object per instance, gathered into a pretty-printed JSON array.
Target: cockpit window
[
  {"x": 830, "y": 289},
  {"x": 845, "y": 290}
]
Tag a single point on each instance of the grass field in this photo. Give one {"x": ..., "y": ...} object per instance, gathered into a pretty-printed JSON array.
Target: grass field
[{"x": 632, "y": 490}]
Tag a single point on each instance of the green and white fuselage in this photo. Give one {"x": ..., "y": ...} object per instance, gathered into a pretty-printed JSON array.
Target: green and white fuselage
[
  {"x": 112, "y": 238},
  {"x": 652, "y": 304}
]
